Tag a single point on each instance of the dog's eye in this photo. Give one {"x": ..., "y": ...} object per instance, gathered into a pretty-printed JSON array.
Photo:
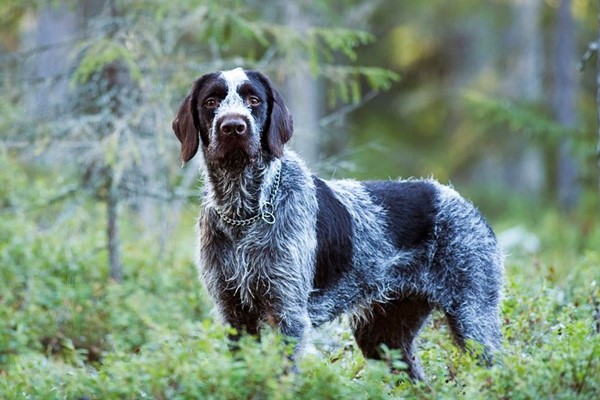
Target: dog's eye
[
  {"x": 253, "y": 100},
  {"x": 211, "y": 103}
]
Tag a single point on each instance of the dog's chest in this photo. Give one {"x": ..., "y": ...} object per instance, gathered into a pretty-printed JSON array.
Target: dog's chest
[{"x": 252, "y": 271}]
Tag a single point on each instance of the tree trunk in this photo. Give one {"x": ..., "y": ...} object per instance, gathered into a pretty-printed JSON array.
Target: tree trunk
[
  {"x": 568, "y": 188},
  {"x": 598, "y": 90},
  {"x": 112, "y": 231},
  {"x": 57, "y": 27},
  {"x": 302, "y": 95},
  {"x": 524, "y": 167},
  {"x": 117, "y": 80}
]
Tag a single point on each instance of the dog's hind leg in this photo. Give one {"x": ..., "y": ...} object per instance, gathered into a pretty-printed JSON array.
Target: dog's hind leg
[
  {"x": 394, "y": 324},
  {"x": 481, "y": 324},
  {"x": 471, "y": 303}
]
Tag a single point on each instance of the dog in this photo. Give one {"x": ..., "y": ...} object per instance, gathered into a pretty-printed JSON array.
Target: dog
[{"x": 281, "y": 246}]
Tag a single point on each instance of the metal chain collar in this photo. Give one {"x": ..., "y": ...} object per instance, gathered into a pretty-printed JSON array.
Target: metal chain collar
[{"x": 267, "y": 210}]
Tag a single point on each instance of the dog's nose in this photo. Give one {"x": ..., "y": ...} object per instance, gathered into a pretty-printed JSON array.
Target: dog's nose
[{"x": 233, "y": 125}]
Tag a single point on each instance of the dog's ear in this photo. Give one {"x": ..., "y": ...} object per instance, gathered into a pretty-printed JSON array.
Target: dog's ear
[
  {"x": 186, "y": 131},
  {"x": 279, "y": 126},
  {"x": 187, "y": 123}
]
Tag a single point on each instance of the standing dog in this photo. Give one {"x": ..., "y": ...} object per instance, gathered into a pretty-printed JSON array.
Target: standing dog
[{"x": 279, "y": 245}]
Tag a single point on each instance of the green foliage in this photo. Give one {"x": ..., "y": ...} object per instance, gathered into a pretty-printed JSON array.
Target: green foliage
[
  {"x": 100, "y": 54},
  {"x": 346, "y": 82},
  {"x": 499, "y": 119},
  {"x": 66, "y": 331},
  {"x": 498, "y": 113},
  {"x": 343, "y": 39}
]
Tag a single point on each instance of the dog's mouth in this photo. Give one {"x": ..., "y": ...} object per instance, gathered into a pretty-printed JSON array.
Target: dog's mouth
[
  {"x": 234, "y": 158},
  {"x": 234, "y": 143}
]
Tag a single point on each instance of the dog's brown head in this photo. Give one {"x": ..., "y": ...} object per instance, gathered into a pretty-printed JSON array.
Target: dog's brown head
[{"x": 237, "y": 115}]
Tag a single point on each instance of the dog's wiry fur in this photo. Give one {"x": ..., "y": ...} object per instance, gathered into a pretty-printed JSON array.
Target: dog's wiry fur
[{"x": 385, "y": 252}]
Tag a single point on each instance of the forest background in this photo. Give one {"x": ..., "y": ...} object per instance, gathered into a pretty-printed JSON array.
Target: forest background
[{"x": 99, "y": 297}]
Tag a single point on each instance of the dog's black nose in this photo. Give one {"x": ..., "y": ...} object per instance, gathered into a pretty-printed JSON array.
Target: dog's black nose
[{"x": 233, "y": 125}]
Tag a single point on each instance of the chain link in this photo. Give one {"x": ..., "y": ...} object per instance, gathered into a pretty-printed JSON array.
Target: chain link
[{"x": 267, "y": 210}]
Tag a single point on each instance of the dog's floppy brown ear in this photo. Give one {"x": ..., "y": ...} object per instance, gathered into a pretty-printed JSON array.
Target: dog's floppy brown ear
[
  {"x": 186, "y": 131},
  {"x": 187, "y": 124},
  {"x": 280, "y": 126}
]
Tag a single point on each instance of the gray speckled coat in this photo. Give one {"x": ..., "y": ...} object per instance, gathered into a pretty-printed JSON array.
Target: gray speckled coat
[{"x": 278, "y": 245}]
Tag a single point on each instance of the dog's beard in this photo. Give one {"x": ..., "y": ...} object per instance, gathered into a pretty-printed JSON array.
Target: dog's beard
[{"x": 233, "y": 154}]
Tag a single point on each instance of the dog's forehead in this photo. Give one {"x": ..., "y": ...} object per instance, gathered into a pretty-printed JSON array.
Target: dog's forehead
[{"x": 234, "y": 78}]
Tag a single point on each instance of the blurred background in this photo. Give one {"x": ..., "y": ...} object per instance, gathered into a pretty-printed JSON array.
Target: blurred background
[
  {"x": 98, "y": 217},
  {"x": 485, "y": 95}
]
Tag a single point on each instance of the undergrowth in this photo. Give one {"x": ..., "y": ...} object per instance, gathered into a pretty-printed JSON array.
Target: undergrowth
[{"x": 67, "y": 331}]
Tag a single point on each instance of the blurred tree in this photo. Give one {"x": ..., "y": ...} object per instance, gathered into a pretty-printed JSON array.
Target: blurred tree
[
  {"x": 478, "y": 94},
  {"x": 129, "y": 66},
  {"x": 593, "y": 48},
  {"x": 440, "y": 50},
  {"x": 565, "y": 107},
  {"x": 526, "y": 170},
  {"x": 302, "y": 95},
  {"x": 55, "y": 26},
  {"x": 598, "y": 95},
  {"x": 94, "y": 95}
]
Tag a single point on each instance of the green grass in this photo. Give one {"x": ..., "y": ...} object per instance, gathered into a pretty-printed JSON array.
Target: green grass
[{"x": 67, "y": 331}]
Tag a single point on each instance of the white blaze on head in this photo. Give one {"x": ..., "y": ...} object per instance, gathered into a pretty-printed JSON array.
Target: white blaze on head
[
  {"x": 233, "y": 102},
  {"x": 234, "y": 78}
]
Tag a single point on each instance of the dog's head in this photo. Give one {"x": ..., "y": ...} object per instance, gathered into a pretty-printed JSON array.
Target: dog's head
[{"x": 237, "y": 115}]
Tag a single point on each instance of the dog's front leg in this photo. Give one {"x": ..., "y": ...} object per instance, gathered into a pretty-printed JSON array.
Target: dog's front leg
[
  {"x": 294, "y": 325},
  {"x": 232, "y": 311},
  {"x": 286, "y": 305}
]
